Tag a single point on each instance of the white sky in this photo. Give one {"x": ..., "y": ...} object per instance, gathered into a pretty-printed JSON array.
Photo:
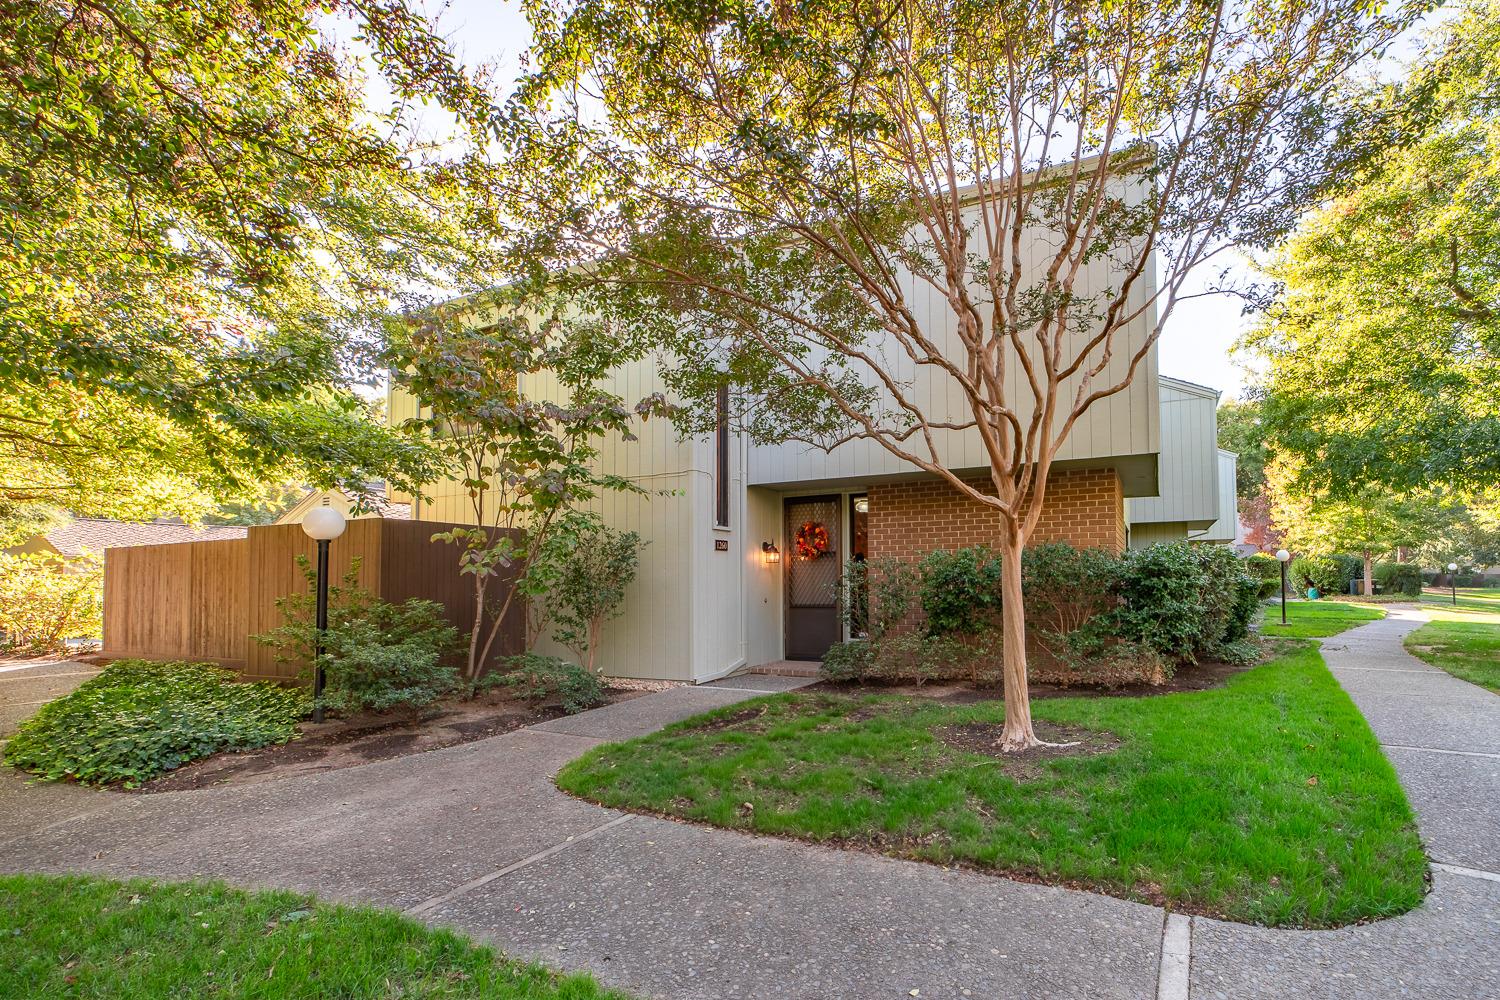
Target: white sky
[{"x": 1197, "y": 338}]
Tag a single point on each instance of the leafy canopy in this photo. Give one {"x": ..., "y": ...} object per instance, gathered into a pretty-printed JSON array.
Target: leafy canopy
[
  {"x": 1384, "y": 346},
  {"x": 201, "y": 226}
]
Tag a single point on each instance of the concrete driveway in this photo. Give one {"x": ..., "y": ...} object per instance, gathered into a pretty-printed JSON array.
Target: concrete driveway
[{"x": 477, "y": 837}]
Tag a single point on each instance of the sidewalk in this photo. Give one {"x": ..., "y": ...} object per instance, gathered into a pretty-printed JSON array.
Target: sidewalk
[{"x": 478, "y": 838}]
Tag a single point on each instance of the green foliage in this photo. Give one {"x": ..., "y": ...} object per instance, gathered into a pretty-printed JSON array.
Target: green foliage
[
  {"x": 879, "y": 595},
  {"x": 203, "y": 226},
  {"x": 1399, "y": 578},
  {"x": 848, "y": 661},
  {"x": 377, "y": 655},
  {"x": 1330, "y": 574},
  {"x": 1267, "y": 569},
  {"x": 596, "y": 568},
  {"x": 138, "y": 719},
  {"x": 1383, "y": 348},
  {"x": 147, "y": 940},
  {"x": 960, "y": 590},
  {"x": 46, "y": 600},
  {"x": 1162, "y": 590},
  {"x": 525, "y": 461},
  {"x": 1067, "y": 590},
  {"x": 537, "y": 678},
  {"x": 1242, "y": 430}
]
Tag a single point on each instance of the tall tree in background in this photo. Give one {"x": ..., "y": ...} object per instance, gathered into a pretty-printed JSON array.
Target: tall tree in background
[
  {"x": 777, "y": 192},
  {"x": 200, "y": 227},
  {"x": 1384, "y": 345},
  {"x": 1242, "y": 430}
]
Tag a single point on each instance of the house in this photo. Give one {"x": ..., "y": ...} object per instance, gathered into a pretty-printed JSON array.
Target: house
[
  {"x": 372, "y": 503},
  {"x": 81, "y": 536},
  {"x": 1195, "y": 499},
  {"x": 721, "y": 587}
]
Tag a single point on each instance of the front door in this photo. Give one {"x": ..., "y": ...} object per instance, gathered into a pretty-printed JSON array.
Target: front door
[{"x": 813, "y": 567}]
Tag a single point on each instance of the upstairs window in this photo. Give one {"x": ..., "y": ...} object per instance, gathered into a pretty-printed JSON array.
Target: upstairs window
[{"x": 721, "y": 459}]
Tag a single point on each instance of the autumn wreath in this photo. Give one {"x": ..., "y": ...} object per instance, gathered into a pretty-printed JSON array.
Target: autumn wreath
[{"x": 812, "y": 540}]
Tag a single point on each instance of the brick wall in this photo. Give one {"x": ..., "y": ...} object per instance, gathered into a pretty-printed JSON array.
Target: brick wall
[{"x": 1083, "y": 507}]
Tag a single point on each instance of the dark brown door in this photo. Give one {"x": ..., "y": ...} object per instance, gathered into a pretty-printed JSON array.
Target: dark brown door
[{"x": 812, "y": 576}]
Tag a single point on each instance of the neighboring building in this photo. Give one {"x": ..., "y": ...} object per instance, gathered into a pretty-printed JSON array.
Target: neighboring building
[
  {"x": 1196, "y": 498},
  {"x": 92, "y": 535},
  {"x": 374, "y": 503}
]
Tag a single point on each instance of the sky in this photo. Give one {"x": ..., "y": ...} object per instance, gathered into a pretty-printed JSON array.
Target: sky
[{"x": 1198, "y": 337}]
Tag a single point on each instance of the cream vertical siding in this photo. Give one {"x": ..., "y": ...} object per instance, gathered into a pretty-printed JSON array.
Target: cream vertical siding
[
  {"x": 1188, "y": 470},
  {"x": 1125, "y": 424},
  {"x": 764, "y": 635},
  {"x": 1145, "y": 535},
  {"x": 1227, "y": 526}
]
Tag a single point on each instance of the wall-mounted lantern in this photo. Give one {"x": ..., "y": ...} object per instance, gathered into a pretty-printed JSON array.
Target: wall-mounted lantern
[{"x": 770, "y": 553}]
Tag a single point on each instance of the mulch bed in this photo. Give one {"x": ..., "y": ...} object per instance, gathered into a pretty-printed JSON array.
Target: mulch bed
[
  {"x": 1189, "y": 677},
  {"x": 1069, "y": 741},
  {"x": 370, "y": 736}
]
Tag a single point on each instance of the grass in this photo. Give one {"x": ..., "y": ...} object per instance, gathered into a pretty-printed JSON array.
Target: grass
[
  {"x": 86, "y": 937},
  {"x": 1463, "y": 640},
  {"x": 1266, "y": 801},
  {"x": 1315, "y": 619}
]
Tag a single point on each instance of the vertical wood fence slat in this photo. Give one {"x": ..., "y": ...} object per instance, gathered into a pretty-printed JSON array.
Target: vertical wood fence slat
[{"x": 205, "y": 600}]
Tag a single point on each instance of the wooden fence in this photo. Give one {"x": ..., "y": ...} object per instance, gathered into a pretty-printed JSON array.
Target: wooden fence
[{"x": 206, "y": 600}]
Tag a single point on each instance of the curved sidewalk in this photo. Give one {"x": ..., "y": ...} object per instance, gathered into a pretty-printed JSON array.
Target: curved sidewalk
[{"x": 477, "y": 837}]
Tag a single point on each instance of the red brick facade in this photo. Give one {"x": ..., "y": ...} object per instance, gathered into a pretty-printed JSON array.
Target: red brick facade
[{"x": 1083, "y": 507}]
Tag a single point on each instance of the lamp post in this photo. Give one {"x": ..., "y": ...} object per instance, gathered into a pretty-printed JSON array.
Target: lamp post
[
  {"x": 322, "y": 525},
  {"x": 1283, "y": 557},
  {"x": 1453, "y": 581}
]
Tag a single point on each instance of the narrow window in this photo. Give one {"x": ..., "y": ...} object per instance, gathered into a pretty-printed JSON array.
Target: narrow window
[{"x": 721, "y": 459}]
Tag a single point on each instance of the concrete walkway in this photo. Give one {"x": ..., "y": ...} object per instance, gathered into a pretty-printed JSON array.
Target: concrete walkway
[{"x": 477, "y": 837}]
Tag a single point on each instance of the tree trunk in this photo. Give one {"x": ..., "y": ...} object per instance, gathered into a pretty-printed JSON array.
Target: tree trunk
[
  {"x": 1369, "y": 575},
  {"x": 1017, "y": 734}
]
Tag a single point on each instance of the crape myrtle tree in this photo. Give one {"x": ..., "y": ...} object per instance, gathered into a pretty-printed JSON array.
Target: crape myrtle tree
[
  {"x": 778, "y": 192},
  {"x": 201, "y": 226}
]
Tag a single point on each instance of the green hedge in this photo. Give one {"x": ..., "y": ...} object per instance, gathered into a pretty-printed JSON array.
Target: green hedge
[
  {"x": 1399, "y": 578},
  {"x": 1085, "y": 609},
  {"x": 138, "y": 719}
]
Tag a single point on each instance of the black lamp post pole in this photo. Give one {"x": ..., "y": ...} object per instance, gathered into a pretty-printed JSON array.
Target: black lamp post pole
[
  {"x": 322, "y": 629},
  {"x": 1283, "y": 592},
  {"x": 1453, "y": 582}
]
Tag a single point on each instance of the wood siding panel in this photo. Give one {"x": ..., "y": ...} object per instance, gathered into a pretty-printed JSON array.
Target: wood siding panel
[{"x": 1188, "y": 471}]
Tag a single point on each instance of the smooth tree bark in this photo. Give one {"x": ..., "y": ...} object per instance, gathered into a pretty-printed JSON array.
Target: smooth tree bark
[{"x": 850, "y": 211}]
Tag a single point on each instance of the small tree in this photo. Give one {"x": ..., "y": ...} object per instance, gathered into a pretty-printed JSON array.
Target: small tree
[
  {"x": 525, "y": 460},
  {"x": 1369, "y": 524},
  {"x": 889, "y": 221},
  {"x": 46, "y": 600},
  {"x": 590, "y": 586}
]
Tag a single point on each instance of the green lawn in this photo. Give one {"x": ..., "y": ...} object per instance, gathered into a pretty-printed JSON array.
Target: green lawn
[
  {"x": 1315, "y": 619},
  {"x": 1463, "y": 640},
  {"x": 88, "y": 937},
  {"x": 1265, "y": 801}
]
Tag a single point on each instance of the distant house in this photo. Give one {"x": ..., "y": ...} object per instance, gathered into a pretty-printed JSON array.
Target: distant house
[
  {"x": 92, "y": 535},
  {"x": 372, "y": 503}
]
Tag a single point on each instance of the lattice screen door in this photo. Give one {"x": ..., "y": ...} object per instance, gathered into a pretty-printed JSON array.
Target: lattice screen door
[{"x": 812, "y": 619}]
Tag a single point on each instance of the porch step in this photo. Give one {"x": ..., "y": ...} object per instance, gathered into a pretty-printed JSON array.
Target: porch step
[{"x": 788, "y": 668}]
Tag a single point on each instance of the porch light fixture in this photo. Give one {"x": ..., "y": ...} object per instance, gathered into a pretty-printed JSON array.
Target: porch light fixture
[
  {"x": 1283, "y": 557},
  {"x": 322, "y": 525},
  {"x": 770, "y": 553},
  {"x": 1453, "y": 581}
]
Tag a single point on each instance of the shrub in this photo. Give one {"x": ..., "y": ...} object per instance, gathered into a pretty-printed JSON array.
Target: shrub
[
  {"x": 1266, "y": 569},
  {"x": 137, "y": 720},
  {"x": 377, "y": 655},
  {"x": 45, "y": 601},
  {"x": 1161, "y": 590},
  {"x": 960, "y": 590},
  {"x": 538, "y": 679},
  {"x": 1066, "y": 590},
  {"x": 879, "y": 596},
  {"x": 1399, "y": 578},
  {"x": 1230, "y": 599},
  {"x": 848, "y": 661},
  {"x": 590, "y": 585},
  {"x": 1330, "y": 574}
]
